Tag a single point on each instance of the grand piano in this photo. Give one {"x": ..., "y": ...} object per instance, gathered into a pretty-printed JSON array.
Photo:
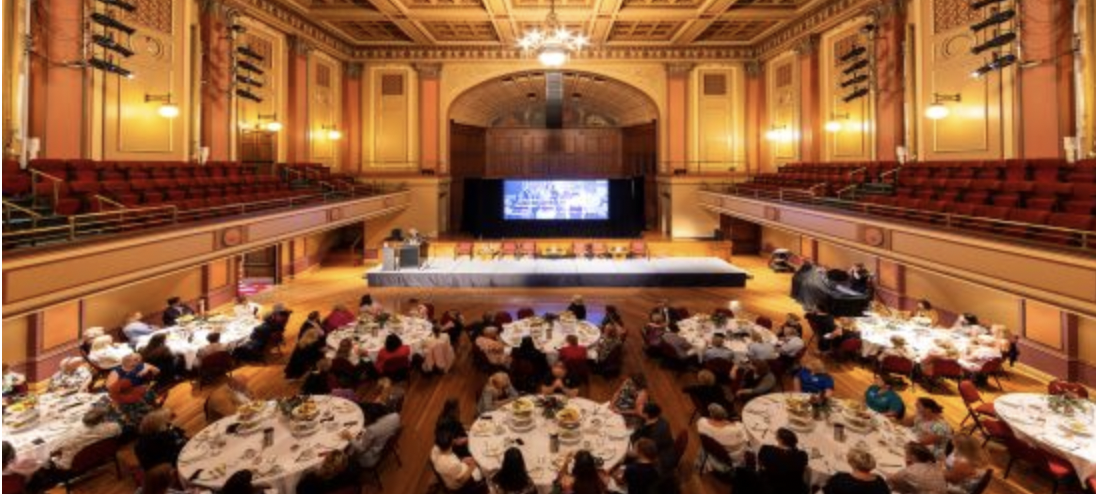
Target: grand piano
[{"x": 816, "y": 288}]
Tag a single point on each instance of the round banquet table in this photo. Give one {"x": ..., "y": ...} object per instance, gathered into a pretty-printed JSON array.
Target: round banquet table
[
  {"x": 876, "y": 333},
  {"x": 699, "y": 329},
  {"x": 1031, "y": 419},
  {"x": 370, "y": 336},
  {"x": 213, "y": 455},
  {"x": 886, "y": 441},
  {"x": 588, "y": 335},
  {"x": 604, "y": 435},
  {"x": 185, "y": 340},
  {"x": 59, "y": 416}
]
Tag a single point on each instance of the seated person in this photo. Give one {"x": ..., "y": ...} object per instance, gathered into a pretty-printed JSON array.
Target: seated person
[
  {"x": 967, "y": 325},
  {"x": 320, "y": 381},
  {"x": 612, "y": 315},
  {"x": 929, "y": 426},
  {"x": 175, "y": 310},
  {"x": 759, "y": 349},
  {"x": 966, "y": 465},
  {"x": 584, "y": 476},
  {"x": 312, "y": 321},
  {"x": 135, "y": 328},
  {"x": 609, "y": 342},
  {"x": 814, "y": 379},
  {"x": 245, "y": 308},
  {"x": 577, "y": 307},
  {"x": 860, "y": 279},
  {"x": 898, "y": 348},
  {"x": 980, "y": 350},
  {"x": 452, "y": 322},
  {"x": 823, "y": 325},
  {"x": 880, "y": 309},
  {"x": 309, "y": 350},
  {"x": 278, "y": 318},
  {"x": 881, "y": 398},
  {"x": 654, "y": 330},
  {"x": 380, "y": 426},
  {"x": 630, "y": 398},
  {"x": 707, "y": 391},
  {"x": 860, "y": 478},
  {"x": 657, "y": 429},
  {"x": 73, "y": 377},
  {"x": 793, "y": 322},
  {"x": 333, "y": 475},
  {"x": 458, "y": 475},
  {"x": 346, "y": 352},
  {"x": 104, "y": 353},
  {"x": 498, "y": 392},
  {"x": 417, "y": 309},
  {"x": 640, "y": 476},
  {"x": 394, "y": 351},
  {"x": 942, "y": 349},
  {"x": 338, "y": 318},
  {"x": 129, "y": 388},
  {"x": 921, "y": 475},
  {"x": 717, "y": 349},
  {"x": 758, "y": 379},
  {"x": 537, "y": 361},
  {"x": 1008, "y": 343},
  {"x": 682, "y": 347},
  {"x": 14, "y": 382},
  {"x": 731, "y": 435},
  {"x": 213, "y": 345},
  {"x": 669, "y": 315},
  {"x": 559, "y": 382},
  {"x": 158, "y": 441},
  {"x": 449, "y": 422},
  {"x": 159, "y": 355},
  {"x": 495, "y": 350},
  {"x": 790, "y": 345},
  {"x": 228, "y": 397},
  {"x": 94, "y": 427},
  {"x": 25, "y": 467},
  {"x": 438, "y": 353},
  {"x": 925, "y": 314},
  {"x": 573, "y": 352},
  {"x": 783, "y": 466}
]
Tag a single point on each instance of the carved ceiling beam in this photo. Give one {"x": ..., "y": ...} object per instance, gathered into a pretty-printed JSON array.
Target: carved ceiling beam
[
  {"x": 607, "y": 53},
  {"x": 345, "y": 13},
  {"x": 821, "y": 18},
  {"x": 292, "y": 20},
  {"x": 605, "y": 14},
  {"x": 398, "y": 14},
  {"x": 499, "y": 13},
  {"x": 696, "y": 27}
]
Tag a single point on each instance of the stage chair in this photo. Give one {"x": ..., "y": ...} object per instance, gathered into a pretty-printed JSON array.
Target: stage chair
[
  {"x": 599, "y": 250},
  {"x": 526, "y": 312},
  {"x": 463, "y": 249},
  {"x": 509, "y": 249},
  {"x": 580, "y": 249},
  {"x": 1060, "y": 387},
  {"x": 527, "y": 249},
  {"x": 639, "y": 249}
]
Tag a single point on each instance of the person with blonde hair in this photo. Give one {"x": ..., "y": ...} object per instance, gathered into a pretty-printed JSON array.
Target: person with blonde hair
[
  {"x": 966, "y": 464},
  {"x": 228, "y": 397},
  {"x": 498, "y": 392},
  {"x": 880, "y": 309},
  {"x": 332, "y": 476},
  {"x": 898, "y": 348},
  {"x": 731, "y": 435},
  {"x": 707, "y": 391},
  {"x": 72, "y": 377},
  {"x": 104, "y": 353},
  {"x": 309, "y": 350},
  {"x": 759, "y": 349},
  {"x": 792, "y": 322},
  {"x": 859, "y": 479},
  {"x": 926, "y": 313},
  {"x": 488, "y": 343}
]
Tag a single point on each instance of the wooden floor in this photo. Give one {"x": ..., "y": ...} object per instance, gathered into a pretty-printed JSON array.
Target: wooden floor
[{"x": 766, "y": 294}]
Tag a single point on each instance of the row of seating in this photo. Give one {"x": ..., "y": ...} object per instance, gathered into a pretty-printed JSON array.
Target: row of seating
[{"x": 1077, "y": 198}]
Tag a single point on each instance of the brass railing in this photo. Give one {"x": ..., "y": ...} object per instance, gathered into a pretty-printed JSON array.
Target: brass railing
[
  {"x": 1042, "y": 234},
  {"x": 101, "y": 199},
  {"x": 11, "y": 208},
  {"x": 55, "y": 183}
]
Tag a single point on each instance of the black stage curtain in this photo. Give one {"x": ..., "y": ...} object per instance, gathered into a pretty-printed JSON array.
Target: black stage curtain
[{"x": 482, "y": 216}]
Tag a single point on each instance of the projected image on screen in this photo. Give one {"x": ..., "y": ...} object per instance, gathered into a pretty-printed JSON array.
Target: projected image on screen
[{"x": 556, "y": 200}]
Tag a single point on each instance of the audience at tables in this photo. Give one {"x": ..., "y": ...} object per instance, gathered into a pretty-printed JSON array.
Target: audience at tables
[
  {"x": 437, "y": 350},
  {"x": 882, "y": 398},
  {"x": 175, "y": 310},
  {"x": 488, "y": 343},
  {"x": 681, "y": 346},
  {"x": 449, "y": 423},
  {"x": 981, "y": 349},
  {"x": 612, "y": 315},
  {"x": 14, "y": 382},
  {"x": 513, "y": 475},
  {"x": 584, "y": 476},
  {"x": 26, "y": 468},
  {"x": 319, "y": 381},
  {"x": 496, "y": 393},
  {"x": 925, "y": 313},
  {"x": 213, "y": 345},
  {"x": 381, "y": 424},
  {"x": 136, "y": 328},
  {"x": 706, "y": 391},
  {"x": 332, "y": 476},
  {"x": 630, "y": 399},
  {"x": 929, "y": 426},
  {"x": 965, "y": 466},
  {"x": 72, "y": 377},
  {"x": 313, "y": 321},
  {"x": 967, "y": 325},
  {"x": 609, "y": 342},
  {"x": 309, "y": 350},
  {"x": 717, "y": 350},
  {"x": 860, "y": 478},
  {"x": 790, "y": 345},
  {"x": 898, "y": 348},
  {"x": 394, "y": 350},
  {"x": 657, "y": 429},
  {"x": 880, "y": 309},
  {"x": 792, "y": 322},
  {"x": 158, "y": 441},
  {"x": 573, "y": 351},
  {"x": 558, "y": 381},
  {"x": 921, "y": 475},
  {"x": 459, "y": 474},
  {"x": 160, "y": 480},
  {"x": 537, "y": 361},
  {"x": 159, "y": 355},
  {"x": 814, "y": 379},
  {"x": 577, "y": 307},
  {"x": 416, "y": 308},
  {"x": 783, "y": 466},
  {"x": 128, "y": 388},
  {"x": 338, "y": 318},
  {"x": 103, "y": 352},
  {"x": 94, "y": 427},
  {"x": 731, "y": 435},
  {"x": 640, "y": 476},
  {"x": 452, "y": 322},
  {"x": 757, "y": 379},
  {"x": 366, "y": 304},
  {"x": 668, "y": 314},
  {"x": 245, "y": 308},
  {"x": 759, "y": 349},
  {"x": 228, "y": 397},
  {"x": 654, "y": 330}
]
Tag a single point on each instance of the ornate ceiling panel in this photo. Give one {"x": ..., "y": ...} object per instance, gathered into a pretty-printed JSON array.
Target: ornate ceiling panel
[
  {"x": 643, "y": 30},
  {"x": 461, "y": 31},
  {"x": 367, "y": 31},
  {"x": 729, "y": 30}
]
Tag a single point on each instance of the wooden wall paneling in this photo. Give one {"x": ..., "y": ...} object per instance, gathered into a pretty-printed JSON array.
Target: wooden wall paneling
[
  {"x": 324, "y": 114},
  {"x": 256, "y": 143},
  {"x": 783, "y": 109},
  {"x": 391, "y": 141},
  {"x": 855, "y": 141},
  {"x": 566, "y": 153}
]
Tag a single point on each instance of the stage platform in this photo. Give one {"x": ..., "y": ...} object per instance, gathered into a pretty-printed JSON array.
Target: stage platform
[{"x": 464, "y": 273}]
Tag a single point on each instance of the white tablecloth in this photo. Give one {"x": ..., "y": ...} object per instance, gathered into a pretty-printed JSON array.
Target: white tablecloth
[
  {"x": 765, "y": 414},
  {"x": 370, "y": 337},
  {"x": 588, "y": 335},
  {"x": 876, "y": 333},
  {"x": 58, "y": 416},
  {"x": 186, "y": 339},
  {"x": 699, "y": 329},
  {"x": 1031, "y": 419},
  {"x": 280, "y": 466},
  {"x": 604, "y": 435}
]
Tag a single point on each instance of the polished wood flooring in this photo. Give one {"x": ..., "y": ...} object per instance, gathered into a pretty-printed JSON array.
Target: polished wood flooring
[{"x": 765, "y": 294}]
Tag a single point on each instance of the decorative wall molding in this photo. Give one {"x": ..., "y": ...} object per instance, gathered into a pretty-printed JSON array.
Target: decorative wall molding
[
  {"x": 679, "y": 69},
  {"x": 354, "y": 70},
  {"x": 299, "y": 46},
  {"x": 753, "y": 68},
  {"x": 821, "y": 18},
  {"x": 428, "y": 70},
  {"x": 808, "y": 45},
  {"x": 295, "y": 23},
  {"x": 474, "y": 53}
]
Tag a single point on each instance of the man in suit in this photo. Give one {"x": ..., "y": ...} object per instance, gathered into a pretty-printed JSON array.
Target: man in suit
[{"x": 175, "y": 309}]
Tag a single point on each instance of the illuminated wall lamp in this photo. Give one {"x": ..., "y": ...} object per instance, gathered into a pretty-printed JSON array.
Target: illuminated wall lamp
[
  {"x": 167, "y": 108},
  {"x": 779, "y": 133},
  {"x": 937, "y": 110},
  {"x": 331, "y": 132},
  {"x": 272, "y": 126},
  {"x": 835, "y": 125}
]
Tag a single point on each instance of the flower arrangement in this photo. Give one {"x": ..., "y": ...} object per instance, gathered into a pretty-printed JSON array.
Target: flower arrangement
[
  {"x": 719, "y": 319},
  {"x": 382, "y": 318},
  {"x": 1065, "y": 404},
  {"x": 820, "y": 405},
  {"x": 551, "y": 405}
]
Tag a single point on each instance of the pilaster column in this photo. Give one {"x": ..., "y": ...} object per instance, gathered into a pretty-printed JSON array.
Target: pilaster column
[
  {"x": 217, "y": 91},
  {"x": 889, "y": 88},
  {"x": 677, "y": 104},
  {"x": 58, "y": 90},
  {"x": 755, "y": 114},
  {"x": 430, "y": 119},
  {"x": 297, "y": 124},
  {"x": 810, "y": 124},
  {"x": 352, "y": 118},
  {"x": 1046, "y": 87}
]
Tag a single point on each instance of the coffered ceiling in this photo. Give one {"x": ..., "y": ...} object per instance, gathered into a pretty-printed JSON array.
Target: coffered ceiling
[{"x": 500, "y": 23}]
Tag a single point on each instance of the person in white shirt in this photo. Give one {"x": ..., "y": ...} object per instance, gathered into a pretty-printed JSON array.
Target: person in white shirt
[
  {"x": 457, "y": 474},
  {"x": 759, "y": 349},
  {"x": 791, "y": 344},
  {"x": 732, "y": 435},
  {"x": 72, "y": 377},
  {"x": 717, "y": 349},
  {"x": 135, "y": 328},
  {"x": 245, "y": 308},
  {"x": 368, "y": 446},
  {"x": 94, "y": 428},
  {"x": 213, "y": 345},
  {"x": 982, "y": 350},
  {"x": 105, "y": 353}
]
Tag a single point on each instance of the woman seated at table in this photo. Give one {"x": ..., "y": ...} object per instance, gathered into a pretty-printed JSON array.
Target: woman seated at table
[
  {"x": 654, "y": 330},
  {"x": 929, "y": 426},
  {"x": 452, "y": 322},
  {"x": 759, "y": 349},
  {"x": 245, "y": 308},
  {"x": 340, "y": 316},
  {"x": 347, "y": 352},
  {"x": 513, "y": 476},
  {"x": 103, "y": 352},
  {"x": 577, "y": 307},
  {"x": 731, "y": 435},
  {"x": 25, "y": 467},
  {"x": 129, "y": 390},
  {"x": 559, "y": 382},
  {"x": 881, "y": 398},
  {"x": 309, "y": 350},
  {"x": 783, "y": 466},
  {"x": 814, "y": 379},
  {"x": 630, "y": 398},
  {"x": 136, "y": 328},
  {"x": 313, "y": 321},
  {"x": 641, "y": 475},
  {"x": 898, "y": 348},
  {"x": 227, "y": 398},
  {"x": 73, "y": 377},
  {"x": 707, "y": 391},
  {"x": 498, "y": 392},
  {"x": 158, "y": 441},
  {"x": 449, "y": 422},
  {"x": 320, "y": 380},
  {"x": 94, "y": 427},
  {"x": 859, "y": 479},
  {"x": 584, "y": 478},
  {"x": 965, "y": 466},
  {"x": 527, "y": 352},
  {"x": 437, "y": 351},
  {"x": 394, "y": 351},
  {"x": 921, "y": 475},
  {"x": 333, "y": 475},
  {"x": 417, "y": 309},
  {"x": 461, "y": 475},
  {"x": 366, "y": 304},
  {"x": 878, "y": 308},
  {"x": 159, "y": 355},
  {"x": 213, "y": 345},
  {"x": 757, "y": 379},
  {"x": 573, "y": 351},
  {"x": 925, "y": 313},
  {"x": 612, "y": 315},
  {"x": 609, "y": 342},
  {"x": 242, "y": 482},
  {"x": 488, "y": 343},
  {"x": 980, "y": 350},
  {"x": 967, "y": 325},
  {"x": 792, "y": 322}
]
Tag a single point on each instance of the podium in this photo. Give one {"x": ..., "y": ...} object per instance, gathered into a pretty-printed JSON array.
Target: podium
[{"x": 402, "y": 256}]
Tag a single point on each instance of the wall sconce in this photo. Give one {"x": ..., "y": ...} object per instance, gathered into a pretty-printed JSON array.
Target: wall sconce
[
  {"x": 779, "y": 133},
  {"x": 835, "y": 125},
  {"x": 937, "y": 110},
  {"x": 167, "y": 108},
  {"x": 272, "y": 126},
  {"x": 332, "y": 133}
]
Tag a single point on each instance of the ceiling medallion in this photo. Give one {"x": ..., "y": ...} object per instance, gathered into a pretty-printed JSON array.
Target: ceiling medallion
[{"x": 552, "y": 43}]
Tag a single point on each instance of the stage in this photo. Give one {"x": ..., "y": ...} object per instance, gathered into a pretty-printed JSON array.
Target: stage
[{"x": 464, "y": 273}]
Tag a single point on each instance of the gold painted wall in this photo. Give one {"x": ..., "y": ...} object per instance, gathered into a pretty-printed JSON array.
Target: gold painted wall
[
  {"x": 772, "y": 239},
  {"x": 390, "y": 141},
  {"x": 717, "y": 118},
  {"x": 13, "y": 57},
  {"x": 15, "y": 335},
  {"x": 978, "y": 125},
  {"x": 109, "y": 309},
  {"x": 270, "y": 43},
  {"x": 855, "y": 141},
  {"x": 1086, "y": 339},
  {"x": 1043, "y": 324},
  {"x": 324, "y": 108},
  {"x": 782, "y": 81},
  {"x": 1086, "y": 15},
  {"x": 132, "y": 128}
]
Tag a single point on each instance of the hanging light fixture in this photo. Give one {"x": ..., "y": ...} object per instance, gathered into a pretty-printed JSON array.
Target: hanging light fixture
[
  {"x": 167, "y": 109},
  {"x": 552, "y": 43},
  {"x": 835, "y": 123},
  {"x": 937, "y": 110}
]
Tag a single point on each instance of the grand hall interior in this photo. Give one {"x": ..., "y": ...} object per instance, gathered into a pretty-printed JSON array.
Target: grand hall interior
[{"x": 549, "y": 246}]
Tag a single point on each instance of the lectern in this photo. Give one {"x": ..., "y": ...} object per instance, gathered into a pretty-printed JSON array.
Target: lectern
[{"x": 401, "y": 256}]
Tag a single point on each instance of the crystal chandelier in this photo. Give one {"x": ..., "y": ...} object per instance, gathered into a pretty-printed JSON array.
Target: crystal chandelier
[{"x": 553, "y": 43}]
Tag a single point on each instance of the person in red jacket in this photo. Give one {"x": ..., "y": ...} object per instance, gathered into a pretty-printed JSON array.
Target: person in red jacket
[
  {"x": 394, "y": 350},
  {"x": 573, "y": 352},
  {"x": 338, "y": 318}
]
